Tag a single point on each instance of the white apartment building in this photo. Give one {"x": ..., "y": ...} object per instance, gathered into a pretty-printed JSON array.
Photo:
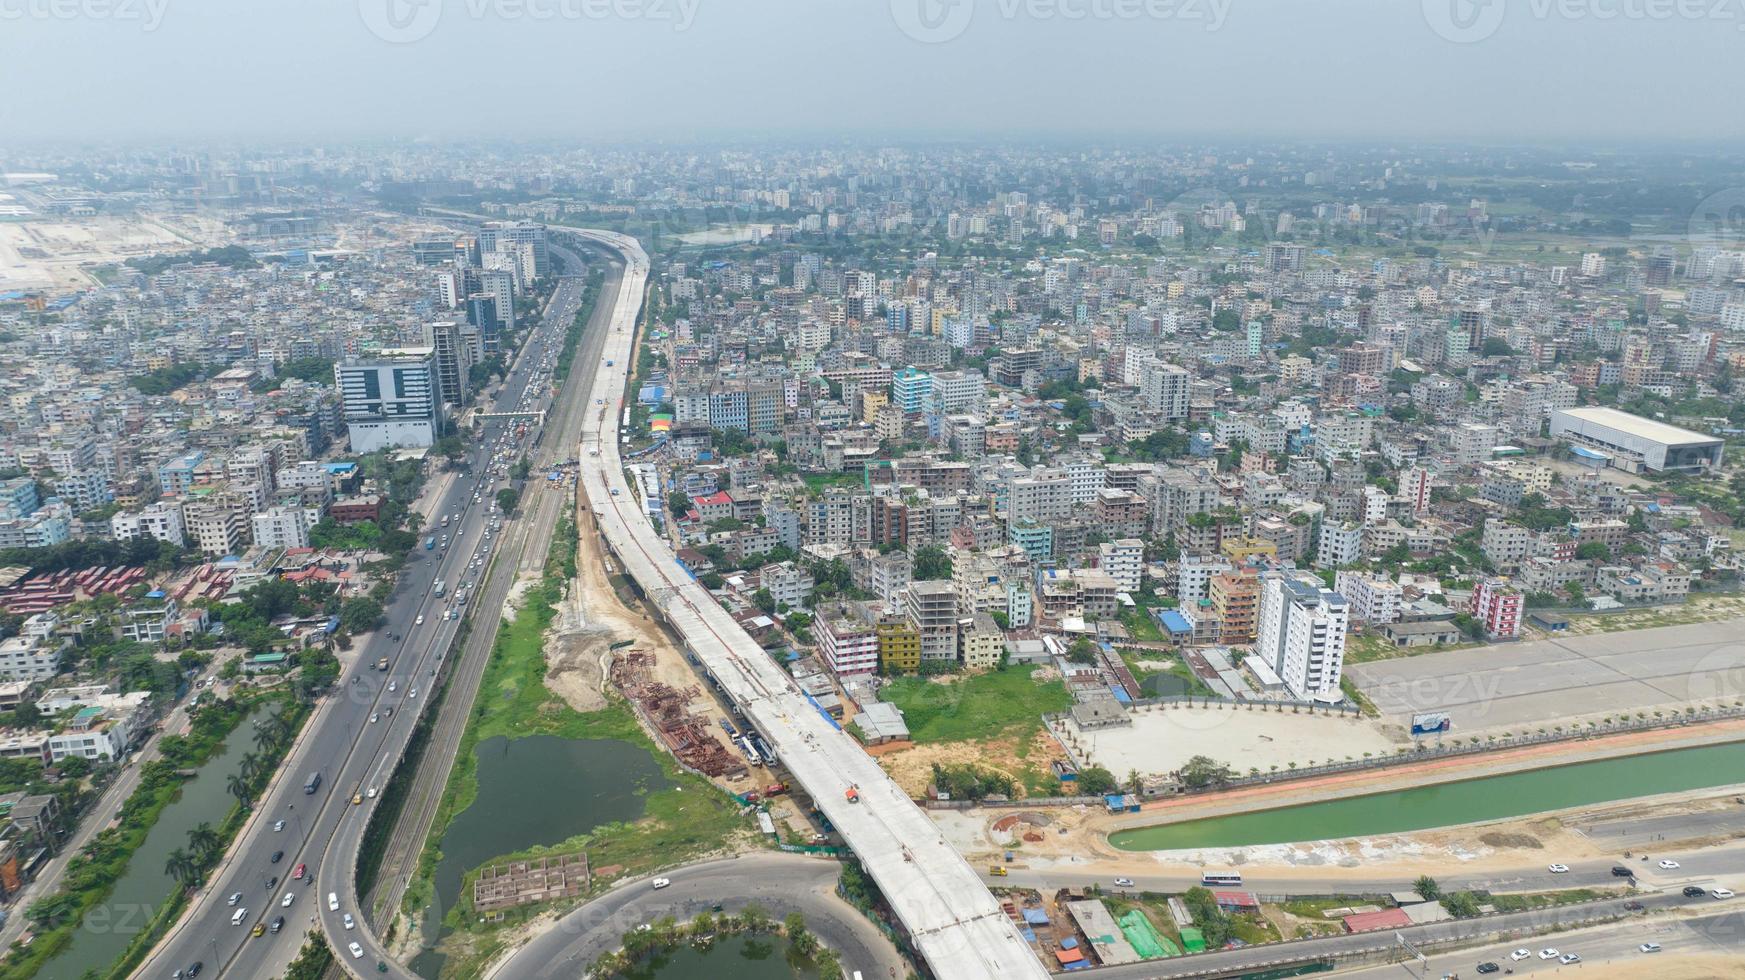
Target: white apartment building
[
  {"x": 1374, "y": 600},
  {"x": 281, "y": 527},
  {"x": 1193, "y": 577},
  {"x": 216, "y": 526},
  {"x": 1340, "y": 545},
  {"x": 31, "y": 656},
  {"x": 932, "y": 610},
  {"x": 1164, "y": 389},
  {"x": 1085, "y": 479},
  {"x": 848, "y": 644},
  {"x": 1302, "y": 635},
  {"x": 161, "y": 520},
  {"x": 789, "y": 584},
  {"x": 1124, "y": 561}
]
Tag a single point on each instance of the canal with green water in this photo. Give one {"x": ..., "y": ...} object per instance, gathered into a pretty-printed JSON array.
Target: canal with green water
[
  {"x": 1468, "y": 801},
  {"x": 110, "y": 926},
  {"x": 535, "y": 792}
]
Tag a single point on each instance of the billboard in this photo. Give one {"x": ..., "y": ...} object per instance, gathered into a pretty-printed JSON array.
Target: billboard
[{"x": 1431, "y": 723}]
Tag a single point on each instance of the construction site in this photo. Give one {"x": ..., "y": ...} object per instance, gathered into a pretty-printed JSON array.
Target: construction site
[
  {"x": 687, "y": 734},
  {"x": 541, "y": 879}
]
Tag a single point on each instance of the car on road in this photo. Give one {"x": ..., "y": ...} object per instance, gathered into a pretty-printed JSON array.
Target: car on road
[
  {"x": 333, "y": 901},
  {"x": 1123, "y": 882},
  {"x": 234, "y": 898},
  {"x": 659, "y": 883},
  {"x": 357, "y": 952},
  {"x": 371, "y": 793},
  {"x": 278, "y": 923},
  {"x": 193, "y": 969},
  {"x": 1692, "y": 891},
  {"x": 1568, "y": 958},
  {"x": 357, "y": 799},
  {"x": 1520, "y": 954},
  {"x": 1488, "y": 967},
  {"x": 348, "y": 920},
  {"x": 1634, "y": 907},
  {"x": 278, "y": 826},
  {"x": 1559, "y": 869},
  {"x": 373, "y": 717},
  {"x": 419, "y": 621},
  {"x": 278, "y": 856},
  {"x": 1648, "y": 948},
  {"x": 1721, "y": 892},
  {"x": 1549, "y": 953},
  {"x": 997, "y": 871},
  {"x": 393, "y": 686},
  {"x": 412, "y": 695},
  {"x": 259, "y": 930},
  {"x": 287, "y": 900},
  {"x": 1669, "y": 865},
  {"x": 302, "y": 869}
]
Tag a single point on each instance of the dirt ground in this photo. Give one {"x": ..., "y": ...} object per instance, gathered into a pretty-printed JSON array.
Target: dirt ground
[
  {"x": 590, "y": 619},
  {"x": 1672, "y": 968},
  {"x": 912, "y": 767}
]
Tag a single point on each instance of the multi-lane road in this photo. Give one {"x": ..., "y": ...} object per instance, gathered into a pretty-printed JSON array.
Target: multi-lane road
[{"x": 360, "y": 729}]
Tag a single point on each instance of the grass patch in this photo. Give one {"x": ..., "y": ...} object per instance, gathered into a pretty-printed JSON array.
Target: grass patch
[
  {"x": 1528, "y": 901},
  {"x": 998, "y": 703},
  {"x": 1142, "y": 627},
  {"x": 678, "y": 824}
]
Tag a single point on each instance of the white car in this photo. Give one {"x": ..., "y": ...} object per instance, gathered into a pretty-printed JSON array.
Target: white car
[
  {"x": 412, "y": 695},
  {"x": 357, "y": 952},
  {"x": 333, "y": 901},
  {"x": 1559, "y": 869},
  {"x": 393, "y": 686},
  {"x": 1669, "y": 865},
  {"x": 1520, "y": 954},
  {"x": 1648, "y": 948},
  {"x": 349, "y": 923},
  {"x": 372, "y": 793},
  {"x": 287, "y": 900},
  {"x": 659, "y": 883},
  {"x": 419, "y": 621},
  {"x": 1721, "y": 892},
  {"x": 1568, "y": 958},
  {"x": 1123, "y": 882},
  {"x": 278, "y": 826},
  {"x": 1549, "y": 953},
  {"x": 373, "y": 716}
]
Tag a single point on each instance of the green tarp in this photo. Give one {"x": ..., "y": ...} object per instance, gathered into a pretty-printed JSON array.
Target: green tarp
[
  {"x": 1193, "y": 940},
  {"x": 1143, "y": 937}
]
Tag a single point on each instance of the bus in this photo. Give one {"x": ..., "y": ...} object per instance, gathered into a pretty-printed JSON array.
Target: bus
[
  {"x": 439, "y": 588},
  {"x": 1221, "y": 879},
  {"x": 430, "y": 543}
]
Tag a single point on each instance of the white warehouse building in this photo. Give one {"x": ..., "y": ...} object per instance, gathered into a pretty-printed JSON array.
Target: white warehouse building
[{"x": 1633, "y": 443}]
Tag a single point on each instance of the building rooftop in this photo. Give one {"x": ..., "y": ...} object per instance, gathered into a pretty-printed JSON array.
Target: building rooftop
[{"x": 1642, "y": 428}]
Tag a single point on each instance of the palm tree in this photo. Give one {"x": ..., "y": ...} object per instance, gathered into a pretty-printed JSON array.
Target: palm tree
[
  {"x": 265, "y": 737},
  {"x": 181, "y": 867},
  {"x": 251, "y": 767},
  {"x": 238, "y": 787},
  {"x": 204, "y": 842}
]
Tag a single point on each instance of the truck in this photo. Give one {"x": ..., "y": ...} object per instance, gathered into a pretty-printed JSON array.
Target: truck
[
  {"x": 439, "y": 588},
  {"x": 430, "y": 543},
  {"x": 853, "y": 794},
  {"x": 313, "y": 783},
  {"x": 445, "y": 520},
  {"x": 775, "y": 789}
]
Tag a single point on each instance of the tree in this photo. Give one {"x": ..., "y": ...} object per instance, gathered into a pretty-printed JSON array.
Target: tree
[
  {"x": 1595, "y": 551},
  {"x": 180, "y": 866},
  {"x": 204, "y": 843},
  {"x": 74, "y": 767},
  {"x": 931, "y": 563},
  {"x": 360, "y": 614},
  {"x": 1096, "y": 781},
  {"x": 236, "y": 786},
  {"x": 1462, "y": 905},
  {"x": 764, "y": 600},
  {"x": 1202, "y": 771},
  {"x": 1082, "y": 651},
  {"x": 507, "y": 498},
  {"x": 678, "y": 503},
  {"x": 1427, "y": 888}
]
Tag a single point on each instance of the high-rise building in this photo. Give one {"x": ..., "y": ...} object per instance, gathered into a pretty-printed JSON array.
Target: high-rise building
[
  {"x": 499, "y": 284},
  {"x": 1497, "y": 606},
  {"x": 1302, "y": 635},
  {"x": 392, "y": 401},
  {"x": 453, "y": 358}
]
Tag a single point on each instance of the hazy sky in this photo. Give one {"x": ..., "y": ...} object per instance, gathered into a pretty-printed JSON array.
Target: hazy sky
[{"x": 1441, "y": 69}]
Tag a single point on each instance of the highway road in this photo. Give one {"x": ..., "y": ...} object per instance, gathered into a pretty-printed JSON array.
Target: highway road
[
  {"x": 1723, "y": 865},
  {"x": 341, "y": 742},
  {"x": 527, "y": 540},
  {"x": 953, "y": 919},
  {"x": 779, "y": 883}
]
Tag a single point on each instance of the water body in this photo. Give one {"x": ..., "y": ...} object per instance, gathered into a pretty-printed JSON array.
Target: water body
[
  {"x": 537, "y": 792},
  {"x": 736, "y": 958},
  {"x": 1471, "y": 801},
  {"x": 111, "y": 925}
]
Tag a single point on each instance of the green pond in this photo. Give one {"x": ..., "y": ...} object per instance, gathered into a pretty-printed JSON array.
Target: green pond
[
  {"x": 534, "y": 792},
  {"x": 1469, "y": 801}
]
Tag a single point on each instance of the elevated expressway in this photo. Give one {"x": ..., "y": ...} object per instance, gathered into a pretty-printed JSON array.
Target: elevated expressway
[{"x": 948, "y": 912}]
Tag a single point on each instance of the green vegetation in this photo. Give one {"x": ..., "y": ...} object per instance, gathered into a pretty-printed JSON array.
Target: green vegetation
[
  {"x": 80, "y": 553},
  {"x": 970, "y": 782},
  {"x": 641, "y": 946},
  {"x": 688, "y": 819},
  {"x": 313, "y": 962},
  {"x": 165, "y": 380},
  {"x": 573, "y": 334},
  {"x": 1004, "y": 702},
  {"x": 93, "y": 872},
  {"x": 228, "y": 256}
]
